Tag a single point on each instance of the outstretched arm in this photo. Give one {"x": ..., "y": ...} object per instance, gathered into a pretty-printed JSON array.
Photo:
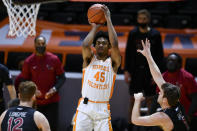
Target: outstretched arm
[
  {"x": 136, "y": 108},
  {"x": 156, "y": 74},
  {"x": 155, "y": 119},
  {"x": 115, "y": 53},
  {"x": 86, "y": 46}
]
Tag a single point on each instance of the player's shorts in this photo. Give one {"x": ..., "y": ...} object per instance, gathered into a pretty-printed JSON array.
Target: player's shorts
[{"x": 92, "y": 116}]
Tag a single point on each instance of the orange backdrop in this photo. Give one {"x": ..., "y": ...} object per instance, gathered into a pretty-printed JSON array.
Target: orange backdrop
[{"x": 67, "y": 39}]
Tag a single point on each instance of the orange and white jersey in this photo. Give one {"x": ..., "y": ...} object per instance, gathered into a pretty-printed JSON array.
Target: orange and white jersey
[{"x": 98, "y": 80}]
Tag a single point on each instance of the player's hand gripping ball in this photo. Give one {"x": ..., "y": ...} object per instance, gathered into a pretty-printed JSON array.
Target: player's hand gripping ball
[{"x": 96, "y": 15}]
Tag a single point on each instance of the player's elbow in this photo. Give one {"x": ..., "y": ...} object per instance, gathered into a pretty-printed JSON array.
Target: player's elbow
[
  {"x": 119, "y": 60},
  {"x": 114, "y": 44},
  {"x": 135, "y": 121}
]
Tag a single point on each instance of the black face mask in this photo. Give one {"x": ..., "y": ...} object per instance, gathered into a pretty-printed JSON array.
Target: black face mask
[
  {"x": 40, "y": 49},
  {"x": 172, "y": 66},
  {"x": 142, "y": 25}
]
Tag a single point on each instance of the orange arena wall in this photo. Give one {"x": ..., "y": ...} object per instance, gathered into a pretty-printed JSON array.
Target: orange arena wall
[{"x": 67, "y": 39}]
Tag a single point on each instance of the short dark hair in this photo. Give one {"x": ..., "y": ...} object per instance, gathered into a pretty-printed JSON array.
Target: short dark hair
[
  {"x": 179, "y": 59},
  {"x": 26, "y": 90},
  {"x": 145, "y": 12},
  {"x": 172, "y": 93},
  {"x": 99, "y": 35},
  {"x": 39, "y": 37}
]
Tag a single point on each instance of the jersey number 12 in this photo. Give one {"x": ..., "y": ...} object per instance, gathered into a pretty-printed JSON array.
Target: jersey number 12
[{"x": 18, "y": 122}]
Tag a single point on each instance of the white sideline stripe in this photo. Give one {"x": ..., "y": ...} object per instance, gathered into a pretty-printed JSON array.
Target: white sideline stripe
[{"x": 73, "y": 75}]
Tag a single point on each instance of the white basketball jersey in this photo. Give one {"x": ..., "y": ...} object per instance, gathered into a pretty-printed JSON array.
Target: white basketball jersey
[{"x": 98, "y": 80}]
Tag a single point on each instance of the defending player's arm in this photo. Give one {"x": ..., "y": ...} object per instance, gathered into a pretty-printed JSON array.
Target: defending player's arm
[
  {"x": 115, "y": 52},
  {"x": 156, "y": 119},
  {"x": 2, "y": 117},
  {"x": 41, "y": 121},
  {"x": 86, "y": 45},
  {"x": 157, "y": 76}
]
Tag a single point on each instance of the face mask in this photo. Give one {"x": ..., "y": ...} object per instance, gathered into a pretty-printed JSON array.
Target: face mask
[
  {"x": 40, "y": 49},
  {"x": 171, "y": 66},
  {"x": 142, "y": 25}
]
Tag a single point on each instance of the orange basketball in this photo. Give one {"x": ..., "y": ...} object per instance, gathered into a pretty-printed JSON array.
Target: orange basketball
[{"x": 96, "y": 14}]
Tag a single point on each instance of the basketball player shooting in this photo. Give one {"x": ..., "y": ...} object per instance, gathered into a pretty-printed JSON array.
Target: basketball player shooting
[{"x": 99, "y": 73}]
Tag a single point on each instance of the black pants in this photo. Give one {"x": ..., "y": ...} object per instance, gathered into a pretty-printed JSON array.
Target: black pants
[{"x": 51, "y": 113}]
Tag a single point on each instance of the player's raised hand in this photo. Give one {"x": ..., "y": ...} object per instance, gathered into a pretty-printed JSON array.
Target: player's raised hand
[
  {"x": 106, "y": 11},
  {"x": 95, "y": 25},
  {"x": 139, "y": 97},
  {"x": 146, "y": 48}
]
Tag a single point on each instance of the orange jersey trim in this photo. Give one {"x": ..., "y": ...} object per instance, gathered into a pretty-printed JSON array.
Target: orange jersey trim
[
  {"x": 112, "y": 88},
  {"x": 75, "y": 120},
  {"x": 83, "y": 78}
]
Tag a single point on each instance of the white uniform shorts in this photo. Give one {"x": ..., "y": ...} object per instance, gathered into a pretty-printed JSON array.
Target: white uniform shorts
[{"x": 92, "y": 116}]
